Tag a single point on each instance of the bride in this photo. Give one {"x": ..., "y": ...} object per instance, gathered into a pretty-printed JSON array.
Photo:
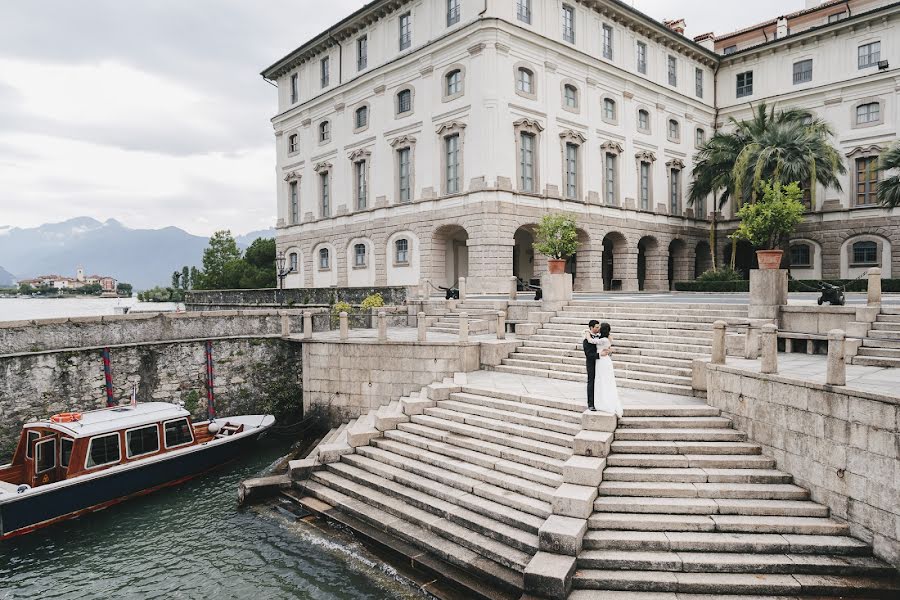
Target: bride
[{"x": 606, "y": 394}]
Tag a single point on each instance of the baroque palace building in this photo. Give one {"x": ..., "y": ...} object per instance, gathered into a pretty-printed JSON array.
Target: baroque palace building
[{"x": 424, "y": 139}]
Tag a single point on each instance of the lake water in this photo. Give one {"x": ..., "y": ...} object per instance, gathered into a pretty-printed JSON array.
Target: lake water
[
  {"x": 14, "y": 309},
  {"x": 193, "y": 542}
]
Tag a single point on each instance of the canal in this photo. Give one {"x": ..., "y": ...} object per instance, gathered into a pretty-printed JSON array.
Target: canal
[{"x": 193, "y": 542}]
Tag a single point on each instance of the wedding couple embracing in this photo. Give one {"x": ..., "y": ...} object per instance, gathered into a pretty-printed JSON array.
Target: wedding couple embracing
[{"x": 597, "y": 349}]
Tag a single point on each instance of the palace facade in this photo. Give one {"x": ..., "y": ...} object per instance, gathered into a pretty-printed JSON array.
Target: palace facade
[{"x": 425, "y": 139}]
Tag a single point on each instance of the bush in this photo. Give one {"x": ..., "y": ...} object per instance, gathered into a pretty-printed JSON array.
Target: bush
[
  {"x": 712, "y": 286},
  {"x": 372, "y": 301},
  {"x": 723, "y": 274},
  {"x": 766, "y": 222},
  {"x": 336, "y": 311},
  {"x": 794, "y": 285},
  {"x": 556, "y": 237}
]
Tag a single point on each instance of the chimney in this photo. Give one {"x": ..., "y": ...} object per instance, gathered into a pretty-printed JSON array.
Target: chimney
[
  {"x": 707, "y": 40},
  {"x": 812, "y": 3},
  {"x": 676, "y": 25},
  {"x": 781, "y": 28}
]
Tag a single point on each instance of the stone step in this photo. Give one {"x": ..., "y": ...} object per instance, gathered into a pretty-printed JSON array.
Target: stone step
[
  {"x": 510, "y": 416},
  {"x": 711, "y": 506},
  {"x": 624, "y": 322},
  {"x": 681, "y": 435},
  {"x": 623, "y": 370},
  {"x": 670, "y": 312},
  {"x": 882, "y": 334},
  {"x": 684, "y": 447},
  {"x": 627, "y": 521},
  {"x": 419, "y": 536},
  {"x": 876, "y": 342},
  {"x": 515, "y": 361},
  {"x": 674, "y": 422},
  {"x": 678, "y": 390},
  {"x": 724, "y": 562},
  {"x": 761, "y": 491},
  {"x": 699, "y": 461},
  {"x": 640, "y": 342},
  {"x": 575, "y": 350},
  {"x": 530, "y": 399},
  {"x": 886, "y": 326},
  {"x": 547, "y": 413},
  {"x": 880, "y": 352},
  {"x": 498, "y": 424},
  {"x": 762, "y": 543},
  {"x": 672, "y": 410},
  {"x": 695, "y": 475},
  {"x": 731, "y": 584},
  {"x": 533, "y": 467},
  {"x": 558, "y": 333},
  {"x": 887, "y": 316},
  {"x": 876, "y": 361}
]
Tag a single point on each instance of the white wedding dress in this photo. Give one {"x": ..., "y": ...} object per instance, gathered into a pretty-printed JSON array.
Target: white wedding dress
[{"x": 606, "y": 394}]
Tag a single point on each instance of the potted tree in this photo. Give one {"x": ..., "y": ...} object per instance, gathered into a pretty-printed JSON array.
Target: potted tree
[
  {"x": 767, "y": 222},
  {"x": 556, "y": 238}
]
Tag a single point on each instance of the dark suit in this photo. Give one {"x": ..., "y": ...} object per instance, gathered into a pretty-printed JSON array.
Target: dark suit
[{"x": 590, "y": 355}]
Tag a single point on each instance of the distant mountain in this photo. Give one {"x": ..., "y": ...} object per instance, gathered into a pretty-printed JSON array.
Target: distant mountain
[
  {"x": 142, "y": 257},
  {"x": 248, "y": 238},
  {"x": 6, "y": 278}
]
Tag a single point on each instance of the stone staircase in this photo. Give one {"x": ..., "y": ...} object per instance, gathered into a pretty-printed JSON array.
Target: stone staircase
[
  {"x": 482, "y": 317},
  {"x": 688, "y": 506},
  {"x": 882, "y": 346},
  {"x": 654, "y": 343}
]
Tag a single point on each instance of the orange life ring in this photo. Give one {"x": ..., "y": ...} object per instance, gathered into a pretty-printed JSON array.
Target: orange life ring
[{"x": 68, "y": 417}]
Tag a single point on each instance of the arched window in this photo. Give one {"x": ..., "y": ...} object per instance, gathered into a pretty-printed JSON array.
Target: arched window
[
  {"x": 525, "y": 81},
  {"x": 701, "y": 137},
  {"x": 865, "y": 253},
  {"x": 359, "y": 255},
  {"x": 324, "y": 131},
  {"x": 401, "y": 251},
  {"x": 404, "y": 101},
  {"x": 609, "y": 109},
  {"x": 570, "y": 96},
  {"x": 293, "y": 146},
  {"x": 801, "y": 256},
  {"x": 643, "y": 120},
  {"x": 324, "y": 259},
  {"x": 868, "y": 113},
  {"x": 674, "y": 130},
  {"x": 454, "y": 82},
  {"x": 362, "y": 117},
  {"x": 293, "y": 262}
]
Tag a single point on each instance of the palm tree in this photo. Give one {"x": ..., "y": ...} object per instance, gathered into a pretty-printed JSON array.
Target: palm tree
[
  {"x": 889, "y": 187},
  {"x": 785, "y": 146}
]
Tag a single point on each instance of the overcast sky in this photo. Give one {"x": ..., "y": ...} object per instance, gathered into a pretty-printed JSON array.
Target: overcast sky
[{"x": 153, "y": 112}]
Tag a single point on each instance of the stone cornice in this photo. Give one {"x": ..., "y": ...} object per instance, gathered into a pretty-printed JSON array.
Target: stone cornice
[
  {"x": 675, "y": 163},
  {"x": 403, "y": 141},
  {"x": 645, "y": 156},
  {"x": 360, "y": 154},
  {"x": 526, "y": 123},
  {"x": 862, "y": 151},
  {"x": 293, "y": 176},
  {"x": 450, "y": 127},
  {"x": 572, "y": 136},
  {"x": 612, "y": 147},
  {"x": 322, "y": 167}
]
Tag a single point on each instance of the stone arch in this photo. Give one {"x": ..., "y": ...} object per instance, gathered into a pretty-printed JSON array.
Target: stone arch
[
  {"x": 585, "y": 264},
  {"x": 397, "y": 271},
  {"x": 651, "y": 264},
  {"x": 449, "y": 255},
  {"x": 680, "y": 265},
  {"x": 324, "y": 277},
  {"x": 526, "y": 261},
  {"x": 702, "y": 258},
  {"x": 850, "y": 268},
  {"x": 361, "y": 275},
  {"x": 813, "y": 270},
  {"x": 616, "y": 271}
]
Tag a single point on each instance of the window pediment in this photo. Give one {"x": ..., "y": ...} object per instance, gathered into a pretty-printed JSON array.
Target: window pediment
[
  {"x": 322, "y": 167},
  {"x": 612, "y": 147},
  {"x": 292, "y": 176},
  {"x": 675, "y": 163},
  {"x": 527, "y": 124},
  {"x": 573, "y": 137},
  {"x": 360, "y": 154},
  {"x": 645, "y": 156},
  {"x": 450, "y": 127},
  {"x": 403, "y": 141},
  {"x": 863, "y": 151}
]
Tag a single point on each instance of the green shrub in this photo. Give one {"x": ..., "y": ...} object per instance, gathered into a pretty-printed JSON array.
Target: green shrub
[
  {"x": 372, "y": 301},
  {"x": 722, "y": 274},
  {"x": 712, "y": 286},
  {"x": 336, "y": 311},
  {"x": 766, "y": 222},
  {"x": 556, "y": 237},
  {"x": 794, "y": 285}
]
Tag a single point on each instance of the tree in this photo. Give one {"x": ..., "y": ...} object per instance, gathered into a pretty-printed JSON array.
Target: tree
[
  {"x": 26, "y": 289},
  {"x": 556, "y": 237},
  {"x": 185, "y": 278},
  {"x": 176, "y": 275},
  {"x": 767, "y": 224},
  {"x": 889, "y": 187},
  {"x": 221, "y": 251},
  {"x": 195, "y": 277},
  {"x": 124, "y": 289},
  {"x": 260, "y": 256},
  {"x": 777, "y": 146}
]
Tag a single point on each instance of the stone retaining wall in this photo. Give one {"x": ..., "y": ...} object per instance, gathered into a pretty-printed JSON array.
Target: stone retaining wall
[
  {"x": 842, "y": 444},
  {"x": 271, "y": 298}
]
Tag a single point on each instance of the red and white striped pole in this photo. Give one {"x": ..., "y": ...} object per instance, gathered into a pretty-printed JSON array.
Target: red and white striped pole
[{"x": 210, "y": 394}]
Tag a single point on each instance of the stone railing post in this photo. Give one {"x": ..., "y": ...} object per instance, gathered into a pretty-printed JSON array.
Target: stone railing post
[
  {"x": 382, "y": 326},
  {"x": 718, "y": 343},
  {"x": 345, "y": 326},
  {"x": 874, "y": 287},
  {"x": 751, "y": 342},
  {"x": 837, "y": 368},
  {"x": 513, "y": 287},
  {"x": 422, "y": 327},
  {"x": 285, "y": 325},
  {"x": 463, "y": 326},
  {"x": 501, "y": 325},
  {"x": 307, "y": 325},
  {"x": 768, "y": 341},
  {"x": 423, "y": 289},
  {"x": 462, "y": 289}
]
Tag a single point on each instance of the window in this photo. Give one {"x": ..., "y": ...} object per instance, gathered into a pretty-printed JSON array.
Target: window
[
  {"x": 293, "y": 262},
  {"x": 673, "y": 71},
  {"x": 730, "y": 49},
  {"x": 452, "y": 12},
  {"x": 607, "y": 42},
  {"x": 404, "y": 175},
  {"x": 451, "y": 151},
  {"x": 570, "y": 96},
  {"x": 324, "y": 259},
  {"x": 525, "y": 81},
  {"x": 454, "y": 83},
  {"x": 65, "y": 451},
  {"x": 700, "y": 137},
  {"x": 523, "y": 10},
  {"x": 868, "y": 113},
  {"x": 29, "y": 439},
  {"x": 325, "y": 194},
  {"x": 865, "y": 253},
  {"x": 359, "y": 255},
  {"x": 571, "y": 171},
  {"x": 295, "y": 203},
  {"x": 526, "y": 162},
  {"x": 361, "y": 184},
  {"x": 292, "y": 143},
  {"x": 103, "y": 450},
  {"x": 401, "y": 251},
  {"x": 568, "y": 23},
  {"x": 675, "y": 192},
  {"x": 323, "y": 71},
  {"x": 362, "y": 53},
  {"x": 803, "y": 71},
  {"x": 404, "y": 101},
  {"x": 837, "y": 17},
  {"x": 645, "y": 185},
  {"x": 866, "y": 180},
  {"x": 295, "y": 93},
  {"x": 405, "y": 31},
  {"x": 869, "y": 55},
  {"x": 800, "y": 256},
  {"x": 642, "y": 58},
  {"x": 674, "y": 130},
  {"x": 46, "y": 455},
  {"x": 178, "y": 433},
  {"x": 141, "y": 441},
  {"x": 362, "y": 117},
  {"x": 324, "y": 131},
  {"x": 609, "y": 109},
  {"x": 744, "y": 84},
  {"x": 643, "y": 120},
  {"x": 610, "y": 178},
  {"x": 698, "y": 82}
]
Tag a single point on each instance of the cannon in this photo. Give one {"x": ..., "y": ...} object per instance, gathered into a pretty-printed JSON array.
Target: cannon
[{"x": 832, "y": 294}]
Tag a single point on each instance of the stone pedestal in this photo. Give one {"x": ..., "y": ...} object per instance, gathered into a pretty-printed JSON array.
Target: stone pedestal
[
  {"x": 422, "y": 327},
  {"x": 501, "y": 325},
  {"x": 307, "y": 325},
  {"x": 556, "y": 290},
  {"x": 768, "y": 292},
  {"x": 718, "y": 345},
  {"x": 874, "y": 293},
  {"x": 769, "y": 349},
  {"x": 382, "y": 326},
  {"x": 837, "y": 367}
]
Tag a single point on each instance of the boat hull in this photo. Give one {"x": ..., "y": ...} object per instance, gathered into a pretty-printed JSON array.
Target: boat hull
[{"x": 45, "y": 506}]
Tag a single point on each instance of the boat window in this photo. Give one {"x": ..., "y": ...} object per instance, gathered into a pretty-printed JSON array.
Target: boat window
[
  {"x": 46, "y": 455},
  {"x": 104, "y": 450},
  {"x": 178, "y": 433},
  {"x": 32, "y": 435},
  {"x": 142, "y": 441},
  {"x": 65, "y": 451}
]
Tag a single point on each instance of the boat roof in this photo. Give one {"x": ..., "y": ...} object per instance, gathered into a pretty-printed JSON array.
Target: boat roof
[{"x": 116, "y": 418}]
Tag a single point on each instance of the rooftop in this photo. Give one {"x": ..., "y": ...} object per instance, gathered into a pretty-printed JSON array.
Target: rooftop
[{"x": 115, "y": 419}]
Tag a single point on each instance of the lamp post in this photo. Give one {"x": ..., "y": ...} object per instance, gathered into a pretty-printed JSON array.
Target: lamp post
[{"x": 281, "y": 272}]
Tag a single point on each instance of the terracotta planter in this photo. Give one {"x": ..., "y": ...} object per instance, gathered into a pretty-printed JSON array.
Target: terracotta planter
[
  {"x": 769, "y": 259},
  {"x": 556, "y": 266}
]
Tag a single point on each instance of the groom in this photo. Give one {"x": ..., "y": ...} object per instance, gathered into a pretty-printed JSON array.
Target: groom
[{"x": 591, "y": 355}]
